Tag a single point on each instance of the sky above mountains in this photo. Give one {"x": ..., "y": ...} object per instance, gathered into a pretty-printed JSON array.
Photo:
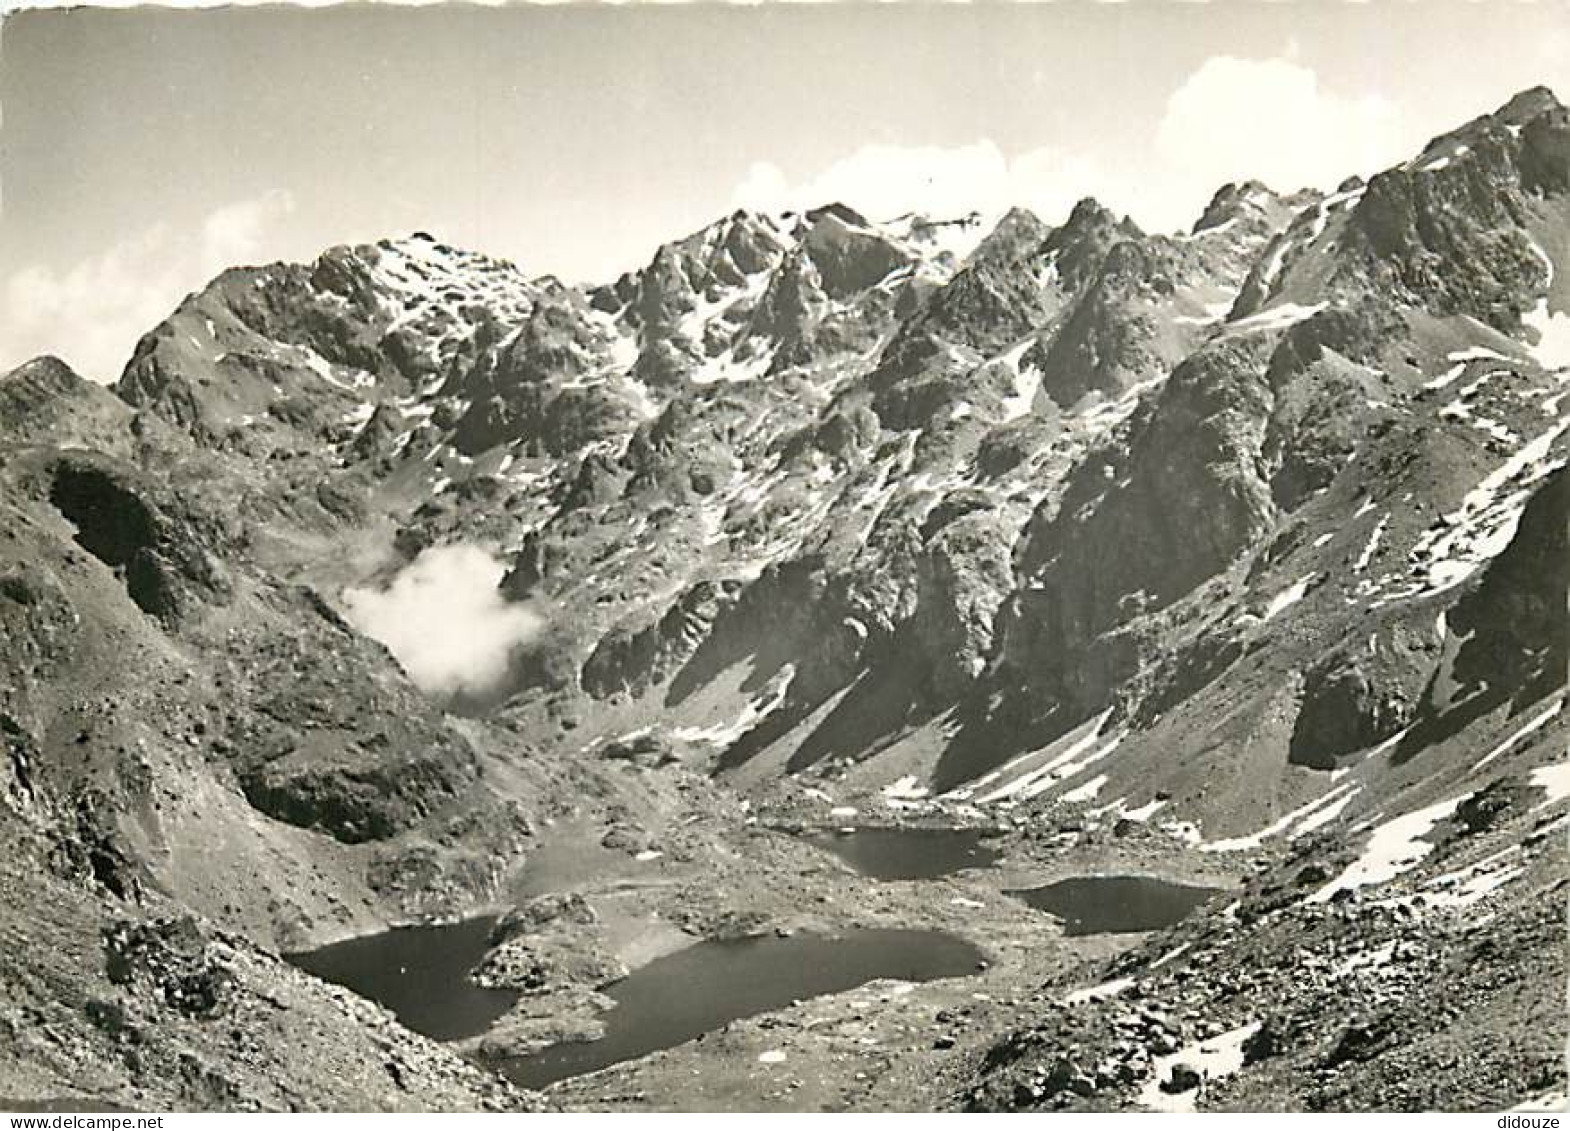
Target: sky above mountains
[{"x": 143, "y": 150}]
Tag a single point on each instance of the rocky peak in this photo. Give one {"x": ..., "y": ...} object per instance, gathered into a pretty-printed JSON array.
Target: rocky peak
[
  {"x": 1233, "y": 203},
  {"x": 307, "y": 344},
  {"x": 44, "y": 375},
  {"x": 45, "y": 401},
  {"x": 1529, "y": 104},
  {"x": 704, "y": 266},
  {"x": 790, "y": 304},
  {"x": 1088, "y": 212},
  {"x": 1015, "y": 239},
  {"x": 1448, "y": 232},
  {"x": 1001, "y": 271},
  {"x": 1545, "y": 150},
  {"x": 849, "y": 253},
  {"x": 1508, "y": 121},
  {"x": 1078, "y": 246},
  {"x": 665, "y": 290},
  {"x": 836, "y": 212}
]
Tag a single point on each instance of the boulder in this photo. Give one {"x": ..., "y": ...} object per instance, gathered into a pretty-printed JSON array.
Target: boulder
[{"x": 1181, "y": 1077}]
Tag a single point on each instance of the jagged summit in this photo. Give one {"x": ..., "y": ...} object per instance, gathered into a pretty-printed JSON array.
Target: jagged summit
[
  {"x": 1527, "y": 105},
  {"x": 1503, "y": 128},
  {"x": 45, "y": 369},
  {"x": 835, "y": 210},
  {"x": 1234, "y": 202},
  {"x": 831, "y": 335}
]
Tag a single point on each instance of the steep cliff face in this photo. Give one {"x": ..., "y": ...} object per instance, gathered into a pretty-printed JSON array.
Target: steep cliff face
[
  {"x": 168, "y": 695},
  {"x": 1395, "y": 959},
  {"x": 192, "y": 738},
  {"x": 1506, "y": 642},
  {"x": 1371, "y": 659}
]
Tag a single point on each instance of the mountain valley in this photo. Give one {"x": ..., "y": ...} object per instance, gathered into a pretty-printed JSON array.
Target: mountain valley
[{"x": 402, "y": 587}]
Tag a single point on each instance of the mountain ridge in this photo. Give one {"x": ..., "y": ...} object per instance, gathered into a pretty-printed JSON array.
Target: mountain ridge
[{"x": 1221, "y": 539}]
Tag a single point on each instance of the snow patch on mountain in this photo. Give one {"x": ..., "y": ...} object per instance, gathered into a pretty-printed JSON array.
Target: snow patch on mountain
[
  {"x": 1394, "y": 847},
  {"x": 1029, "y": 782},
  {"x": 1214, "y": 1058},
  {"x": 1279, "y": 317},
  {"x": 1553, "y": 780},
  {"x": 1551, "y": 350},
  {"x": 1288, "y": 597},
  {"x": 1336, "y": 796}
]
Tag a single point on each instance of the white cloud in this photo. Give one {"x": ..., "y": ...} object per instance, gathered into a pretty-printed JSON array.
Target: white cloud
[
  {"x": 1271, "y": 120},
  {"x": 232, "y": 234},
  {"x": 445, "y": 620},
  {"x": 1230, "y": 120},
  {"x": 92, "y": 313}
]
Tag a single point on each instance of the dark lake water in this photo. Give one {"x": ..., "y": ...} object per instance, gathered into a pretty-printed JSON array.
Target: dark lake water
[
  {"x": 1094, "y": 905},
  {"x": 683, "y": 995},
  {"x": 420, "y": 973},
  {"x": 907, "y": 854}
]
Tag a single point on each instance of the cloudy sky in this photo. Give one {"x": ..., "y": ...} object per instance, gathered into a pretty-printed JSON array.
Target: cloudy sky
[{"x": 142, "y": 150}]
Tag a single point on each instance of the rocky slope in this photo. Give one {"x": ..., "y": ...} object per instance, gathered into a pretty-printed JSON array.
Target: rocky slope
[{"x": 1246, "y": 543}]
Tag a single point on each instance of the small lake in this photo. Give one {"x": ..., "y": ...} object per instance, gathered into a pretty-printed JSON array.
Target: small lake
[
  {"x": 1095, "y": 905},
  {"x": 704, "y": 987},
  {"x": 420, "y": 973},
  {"x": 907, "y": 854}
]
